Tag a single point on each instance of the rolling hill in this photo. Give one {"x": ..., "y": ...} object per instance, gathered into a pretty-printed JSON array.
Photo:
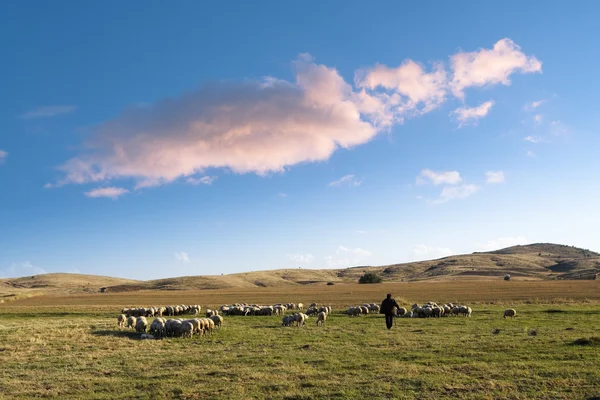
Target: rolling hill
[{"x": 539, "y": 261}]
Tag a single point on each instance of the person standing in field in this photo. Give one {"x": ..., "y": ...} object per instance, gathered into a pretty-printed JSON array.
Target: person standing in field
[{"x": 389, "y": 307}]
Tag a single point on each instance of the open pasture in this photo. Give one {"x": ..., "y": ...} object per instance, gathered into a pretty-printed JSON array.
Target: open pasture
[{"x": 70, "y": 347}]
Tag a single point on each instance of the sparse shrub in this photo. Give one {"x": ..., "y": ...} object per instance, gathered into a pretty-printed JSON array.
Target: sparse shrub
[
  {"x": 330, "y": 283},
  {"x": 370, "y": 277},
  {"x": 507, "y": 277}
]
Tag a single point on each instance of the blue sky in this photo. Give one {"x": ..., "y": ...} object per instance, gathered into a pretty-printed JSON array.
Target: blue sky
[{"x": 148, "y": 140}]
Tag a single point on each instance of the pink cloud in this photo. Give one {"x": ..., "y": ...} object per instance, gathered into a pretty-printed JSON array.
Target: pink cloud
[
  {"x": 268, "y": 125},
  {"x": 489, "y": 67},
  {"x": 112, "y": 192}
]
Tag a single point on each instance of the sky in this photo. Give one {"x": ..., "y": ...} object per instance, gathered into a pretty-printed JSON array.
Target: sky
[{"x": 152, "y": 139}]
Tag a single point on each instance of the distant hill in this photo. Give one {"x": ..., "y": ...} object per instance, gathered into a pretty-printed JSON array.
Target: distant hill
[{"x": 539, "y": 261}]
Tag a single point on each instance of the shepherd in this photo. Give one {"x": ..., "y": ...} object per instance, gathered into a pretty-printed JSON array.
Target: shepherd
[{"x": 389, "y": 307}]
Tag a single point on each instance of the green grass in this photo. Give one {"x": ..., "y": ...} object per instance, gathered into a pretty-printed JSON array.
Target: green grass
[{"x": 78, "y": 352}]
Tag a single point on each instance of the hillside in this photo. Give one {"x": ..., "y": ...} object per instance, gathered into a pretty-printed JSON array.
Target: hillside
[{"x": 539, "y": 261}]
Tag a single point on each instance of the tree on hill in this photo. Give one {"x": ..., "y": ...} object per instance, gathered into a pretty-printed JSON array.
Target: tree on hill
[{"x": 370, "y": 277}]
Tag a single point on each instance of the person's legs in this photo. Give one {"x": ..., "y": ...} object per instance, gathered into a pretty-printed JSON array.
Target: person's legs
[{"x": 389, "y": 320}]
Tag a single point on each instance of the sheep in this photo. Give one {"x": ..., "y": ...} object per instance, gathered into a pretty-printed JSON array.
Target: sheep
[
  {"x": 299, "y": 306},
  {"x": 121, "y": 320},
  {"x": 141, "y": 325},
  {"x": 287, "y": 320},
  {"x": 511, "y": 312},
  {"x": 401, "y": 311},
  {"x": 217, "y": 320},
  {"x": 321, "y": 318},
  {"x": 157, "y": 327},
  {"x": 131, "y": 322},
  {"x": 187, "y": 329},
  {"x": 298, "y": 319}
]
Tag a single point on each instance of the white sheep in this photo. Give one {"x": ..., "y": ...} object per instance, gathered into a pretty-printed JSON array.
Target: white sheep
[
  {"x": 121, "y": 320},
  {"x": 321, "y": 318},
  {"x": 217, "y": 320}
]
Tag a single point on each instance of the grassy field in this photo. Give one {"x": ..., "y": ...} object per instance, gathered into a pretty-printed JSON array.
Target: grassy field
[{"x": 70, "y": 347}]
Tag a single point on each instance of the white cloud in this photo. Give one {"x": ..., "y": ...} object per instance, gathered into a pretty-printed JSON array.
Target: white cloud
[
  {"x": 347, "y": 180},
  {"x": 530, "y": 154},
  {"x": 494, "y": 177},
  {"x": 456, "y": 192},
  {"x": 265, "y": 126},
  {"x": 347, "y": 256},
  {"x": 182, "y": 256},
  {"x": 422, "y": 252},
  {"x": 533, "y": 139},
  {"x": 17, "y": 270},
  {"x": 501, "y": 243},
  {"x": 301, "y": 258},
  {"x": 205, "y": 180},
  {"x": 558, "y": 128},
  {"x": 357, "y": 251},
  {"x": 282, "y": 195},
  {"x": 3, "y": 155},
  {"x": 47, "y": 111},
  {"x": 414, "y": 88},
  {"x": 471, "y": 114},
  {"x": 533, "y": 105},
  {"x": 112, "y": 192},
  {"x": 538, "y": 118},
  {"x": 488, "y": 67},
  {"x": 438, "y": 178}
]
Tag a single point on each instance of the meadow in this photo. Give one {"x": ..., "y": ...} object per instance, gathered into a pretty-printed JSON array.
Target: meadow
[{"x": 70, "y": 346}]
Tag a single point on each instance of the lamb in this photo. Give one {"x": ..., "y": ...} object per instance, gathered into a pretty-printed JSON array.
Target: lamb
[
  {"x": 511, "y": 312},
  {"x": 121, "y": 320},
  {"x": 321, "y": 318}
]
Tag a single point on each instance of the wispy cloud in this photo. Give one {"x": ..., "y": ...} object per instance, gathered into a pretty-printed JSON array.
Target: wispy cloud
[
  {"x": 438, "y": 178},
  {"x": 533, "y": 105},
  {"x": 494, "y": 177},
  {"x": 500, "y": 243},
  {"x": 347, "y": 180},
  {"x": 16, "y": 270},
  {"x": 456, "y": 192},
  {"x": 537, "y": 118},
  {"x": 111, "y": 192},
  {"x": 301, "y": 258},
  {"x": 3, "y": 155},
  {"x": 205, "y": 180},
  {"x": 533, "y": 139},
  {"x": 182, "y": 256},
  {"x": 267, "y": 125},
  {"x": 357, "y": 251},
  {"x": 346, "y": 256},
  {"x": 422, "y": 252},
  {"x": 530, "y": 153},
  {"x": 470, "y": 115},
  {"x": 282, "y": 195},
  {"x": 47, "y": 111}
]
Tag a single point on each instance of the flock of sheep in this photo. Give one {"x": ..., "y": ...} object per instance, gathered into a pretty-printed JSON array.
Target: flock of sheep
[{"x": 136, "y": 318}]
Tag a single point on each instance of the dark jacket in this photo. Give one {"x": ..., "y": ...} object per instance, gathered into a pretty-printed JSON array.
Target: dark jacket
[{"x": 387, "y": 306}]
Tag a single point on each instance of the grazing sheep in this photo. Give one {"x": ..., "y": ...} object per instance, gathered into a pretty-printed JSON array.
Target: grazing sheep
[
  {"x": 299, "y": 306},
  {"x": 287, "y": 320},
  {"x": 401, "y": 311},
  {"x": 141, "y": 325},
  {"x": 511, "y": 312},
  {"x": 217, "y": 320},
  {"x": 321, "y": 318},
  {"x": 121, "y": 320},
  {"x": 131, "y": 322},
  {"x": 187, "y": 329}
]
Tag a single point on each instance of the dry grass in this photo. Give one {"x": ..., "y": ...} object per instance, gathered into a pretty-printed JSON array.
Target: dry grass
[
  {"x": 342, "y": 295},
  {"x": 76, "y": 351}
]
